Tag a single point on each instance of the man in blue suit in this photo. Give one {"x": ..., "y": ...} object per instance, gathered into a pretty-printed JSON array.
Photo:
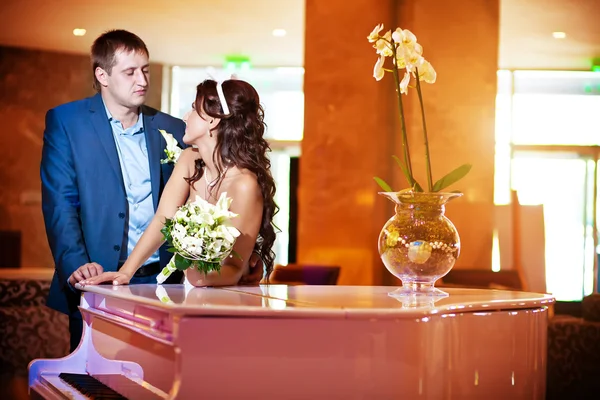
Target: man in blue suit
[{"x": 102, "y": 174}]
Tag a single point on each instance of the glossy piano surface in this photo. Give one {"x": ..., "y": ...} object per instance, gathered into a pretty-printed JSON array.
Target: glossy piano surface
[
  {"x": 350, "y": 342},
  {"x": 300, "y": 301}
]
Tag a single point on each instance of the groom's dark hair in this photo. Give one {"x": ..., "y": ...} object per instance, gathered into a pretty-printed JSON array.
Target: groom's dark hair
[{"x": 106, "y": 46}]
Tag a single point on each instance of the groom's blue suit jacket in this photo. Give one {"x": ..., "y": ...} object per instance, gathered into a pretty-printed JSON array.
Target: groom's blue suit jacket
[{"x": 83, "y": 195}]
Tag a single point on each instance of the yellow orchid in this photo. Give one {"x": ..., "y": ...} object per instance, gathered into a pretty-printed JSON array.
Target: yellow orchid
[
  {"x": 426, "y": 72},
  {"x": 404, "y": 83},
  {"x": 378, "y": 71},
  {"x": 373, "y": 36},
  {"x": 383, "y": 45}
]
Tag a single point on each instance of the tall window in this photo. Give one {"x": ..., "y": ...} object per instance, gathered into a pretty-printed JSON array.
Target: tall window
[
  {"x": 547, "y": 150},
  {"x": 282, "y": 97}
]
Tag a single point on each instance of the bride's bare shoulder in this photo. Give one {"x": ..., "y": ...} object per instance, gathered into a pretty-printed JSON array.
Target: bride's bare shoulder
[{"x": 245, "y": 183}]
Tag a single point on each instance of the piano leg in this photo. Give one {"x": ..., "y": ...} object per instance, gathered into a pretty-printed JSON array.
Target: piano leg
[{"x": 84, "y": 360}]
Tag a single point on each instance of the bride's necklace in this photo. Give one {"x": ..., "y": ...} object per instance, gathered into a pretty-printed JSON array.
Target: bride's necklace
[{"x": 211, "y": 183}]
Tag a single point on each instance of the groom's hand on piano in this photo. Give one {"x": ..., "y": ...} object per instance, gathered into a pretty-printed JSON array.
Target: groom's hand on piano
[
  {"x": 116, "y": 278},
  {"x": 86, "y": 271}
]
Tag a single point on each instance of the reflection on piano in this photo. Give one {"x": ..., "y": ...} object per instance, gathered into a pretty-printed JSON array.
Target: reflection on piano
[{"x": 298, "y": 342}]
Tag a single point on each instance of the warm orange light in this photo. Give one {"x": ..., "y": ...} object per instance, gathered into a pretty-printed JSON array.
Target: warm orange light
[
  {"x": 79, "y": 31},
  {"x": 559, "y": 35}
]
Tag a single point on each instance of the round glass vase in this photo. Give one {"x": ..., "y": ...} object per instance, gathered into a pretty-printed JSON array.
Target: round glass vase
[{"x": 419, "y": 244}]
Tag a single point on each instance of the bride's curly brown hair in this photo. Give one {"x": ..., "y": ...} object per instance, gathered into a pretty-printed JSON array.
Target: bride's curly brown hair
[{"x": 241, "y": 143}]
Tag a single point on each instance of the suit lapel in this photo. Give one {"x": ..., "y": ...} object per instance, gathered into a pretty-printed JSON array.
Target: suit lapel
[
  {"x": 153, "y": 143},
  {"x": 104, "y": 133}
]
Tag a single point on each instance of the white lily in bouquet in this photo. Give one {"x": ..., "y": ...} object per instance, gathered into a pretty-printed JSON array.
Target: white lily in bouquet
[{"x": 200, "y": 235}]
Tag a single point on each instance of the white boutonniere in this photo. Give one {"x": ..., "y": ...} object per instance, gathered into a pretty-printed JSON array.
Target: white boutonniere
[{"x": 173, "y": 151}]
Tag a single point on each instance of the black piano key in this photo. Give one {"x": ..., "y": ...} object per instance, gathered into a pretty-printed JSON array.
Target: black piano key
[{"x": 90, "y": 386}]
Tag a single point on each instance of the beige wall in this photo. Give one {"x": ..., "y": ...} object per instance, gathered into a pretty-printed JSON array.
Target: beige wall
[
  {"x": 31, "y": 82},
  {"x": 351, "y": 127}
]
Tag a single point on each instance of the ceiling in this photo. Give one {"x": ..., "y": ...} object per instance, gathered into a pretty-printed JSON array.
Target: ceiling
[
  {"x": 202, "y": 32},
  {"x": 526, "y": 28},
  {"x": 178, "y": 32}
]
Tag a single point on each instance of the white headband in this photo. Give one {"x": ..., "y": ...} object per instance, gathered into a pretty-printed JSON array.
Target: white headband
[
  {"x": 222, "y": 98},
  {"x": 220, "y": 78}
]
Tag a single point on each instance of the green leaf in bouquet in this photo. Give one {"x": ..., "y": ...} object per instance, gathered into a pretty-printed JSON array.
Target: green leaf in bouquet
[
  {"x": 236, "y": 255},
  {"x": 172, "y": 250},
  {"x": 411, "y": 181},
  {"x": 166, "y": 230},
  {"x": 383, "y": 185},
  {"x": 206, "y": 267},
  {"x": 182, "y": 263},
  {"x": 452, "y": 177}
]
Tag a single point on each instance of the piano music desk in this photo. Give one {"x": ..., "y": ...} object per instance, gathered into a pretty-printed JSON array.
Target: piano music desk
[{"x": 305, "y": 342}]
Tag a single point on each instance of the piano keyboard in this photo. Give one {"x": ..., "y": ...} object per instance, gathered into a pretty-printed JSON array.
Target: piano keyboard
[
  {"x": 90, "y": 386},
  {"x": 98, "y": 387}
]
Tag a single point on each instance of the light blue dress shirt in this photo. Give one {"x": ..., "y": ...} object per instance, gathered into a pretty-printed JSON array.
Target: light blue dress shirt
[{"x": 133, "y": 157}]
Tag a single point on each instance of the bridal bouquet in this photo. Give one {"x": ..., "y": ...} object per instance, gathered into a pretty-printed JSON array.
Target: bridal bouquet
[
  {"x": 406, "y": 55},
  {"x": 200, "y": 235}
]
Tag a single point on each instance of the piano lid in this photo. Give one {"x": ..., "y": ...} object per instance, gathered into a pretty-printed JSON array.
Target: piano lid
[{"x": 316, "y": 301}]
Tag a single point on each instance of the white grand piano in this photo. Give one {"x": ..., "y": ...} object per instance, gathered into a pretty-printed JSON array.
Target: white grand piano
[{"x": 301, "y": 342}]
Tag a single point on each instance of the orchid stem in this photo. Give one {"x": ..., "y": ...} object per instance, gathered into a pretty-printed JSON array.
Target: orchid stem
[
  {"x": 427, "y": 158},
  {"x": 402, "y": 123}
]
